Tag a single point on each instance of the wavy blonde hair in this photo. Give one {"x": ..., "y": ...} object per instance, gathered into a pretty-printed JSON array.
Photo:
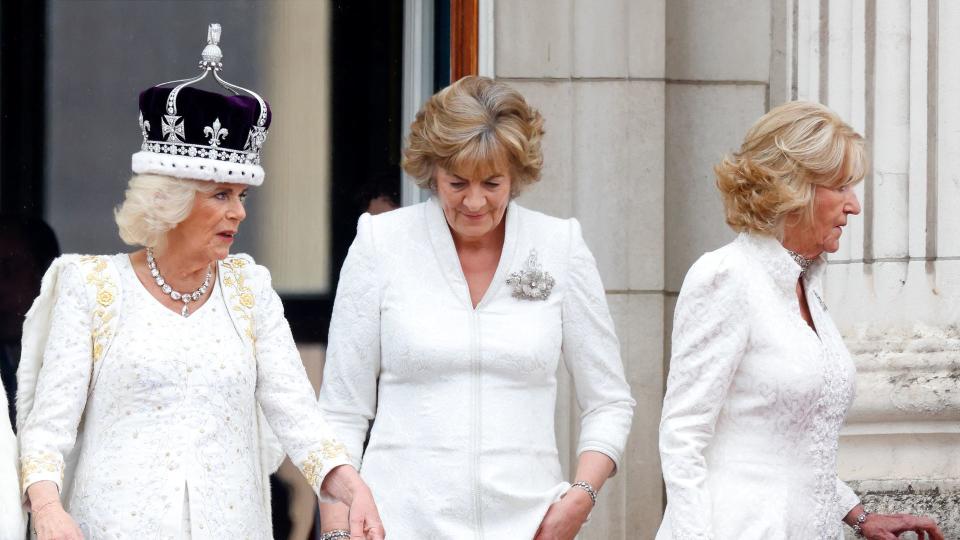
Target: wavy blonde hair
[
  {"x": 154, "y": 204},
  {"x": 785, "y": 155},
  {"x": 475, "y": 123}
]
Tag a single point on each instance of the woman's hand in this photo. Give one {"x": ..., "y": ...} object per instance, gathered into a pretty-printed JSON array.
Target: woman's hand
[
  {"x": 891, "y": 526},
  {"x": 345, "y": 484},
  {"x": 565, "y": 517},
  {"x": 52, "y": 522},
  {"x": 364, "y": 519}
]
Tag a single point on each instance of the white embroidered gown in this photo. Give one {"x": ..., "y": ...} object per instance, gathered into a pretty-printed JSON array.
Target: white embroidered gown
[
  {"x": 754, "y": 404},
  {"x": 169, "y": 447},
  {"x": 463, "y": 443}
]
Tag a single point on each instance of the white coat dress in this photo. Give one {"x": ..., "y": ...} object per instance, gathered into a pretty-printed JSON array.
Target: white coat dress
[
  {"x": 755, "y": 401},
  {"x": 169, "y": 445},
  {"x": 462, "y": 399}
]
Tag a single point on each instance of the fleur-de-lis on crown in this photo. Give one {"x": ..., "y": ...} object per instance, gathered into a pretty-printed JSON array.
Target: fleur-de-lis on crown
[
  {"x": 255, "y": 139},
  {"x": 215, "y": 133},
  {"x": 172, "y": 127},
  {"x": 144, "y": 127}
]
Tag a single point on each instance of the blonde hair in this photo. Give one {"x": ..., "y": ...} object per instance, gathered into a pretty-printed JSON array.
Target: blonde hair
[
  {"x": 785, "y": 155},
  {"x": 153, "y": 205},
  {"x": 475, "y": 123}
]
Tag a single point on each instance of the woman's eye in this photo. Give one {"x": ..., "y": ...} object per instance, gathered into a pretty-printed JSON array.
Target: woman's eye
[
  {"x": 221, "y": 195},
  {"x": 457, "y": 185},
  {"x": 243, "y": 196}
]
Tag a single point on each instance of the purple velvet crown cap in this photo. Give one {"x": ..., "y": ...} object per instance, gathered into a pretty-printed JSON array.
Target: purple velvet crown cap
[
  {"x": 199, "y": 109},
  {"x": 211, "y": 137}
]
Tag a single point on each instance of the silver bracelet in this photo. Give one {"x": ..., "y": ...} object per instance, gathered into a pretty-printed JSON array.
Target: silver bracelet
[
  {"x": 858, "y": 526},
  {"x": 586, "y": 487},
  {"x": 336, "y": 534}
]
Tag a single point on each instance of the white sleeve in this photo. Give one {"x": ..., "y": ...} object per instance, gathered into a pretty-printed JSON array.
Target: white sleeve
[
  {"x": 348, "y": 394},
  {"x": 286, "y": 396},
  {"x": 710, "y": 335},
  {"x": 846, "y": 498},
  {"x": 49, "y": 432},
  {"x": 591, "y": 353}
]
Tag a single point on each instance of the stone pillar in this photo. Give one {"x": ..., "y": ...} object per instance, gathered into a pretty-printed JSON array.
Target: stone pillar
[
  {"x": 893, "y": 286},
  {"x": 718, "y": 70},
  {"x": 595, "y": 69}
]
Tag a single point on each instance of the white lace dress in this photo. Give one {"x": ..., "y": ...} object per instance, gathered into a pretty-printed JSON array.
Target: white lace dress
[
  {"x": 754, "y": 404},
  {"x": 169, "y": 441},
  {"x": 463, "y": 443}
]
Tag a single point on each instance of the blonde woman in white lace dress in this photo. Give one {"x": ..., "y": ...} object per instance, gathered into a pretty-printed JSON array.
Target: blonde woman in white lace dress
[
  {"x": 163, "y": 369},
  {"x": 453, "y": 359},
  {"x": 760, "y": 379}
]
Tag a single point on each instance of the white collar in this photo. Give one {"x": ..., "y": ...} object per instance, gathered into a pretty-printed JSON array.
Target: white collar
[{"x": 775, "y": 258}]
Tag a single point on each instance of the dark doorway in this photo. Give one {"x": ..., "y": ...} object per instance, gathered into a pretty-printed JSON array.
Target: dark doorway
[{"x": 367, "y": 73}]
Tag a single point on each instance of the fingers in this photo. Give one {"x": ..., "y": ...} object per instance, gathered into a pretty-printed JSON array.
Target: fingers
[
  {"x": 933, "y": 532},
  {"x": 372, "y": 530},
  {"x": 929, "y": 526},
  {"x": 882, "y": 534},
  {"x": 924, "y": 527},
  {"x": 356, "y": 527},
  {"x": 376, "y": 532}
]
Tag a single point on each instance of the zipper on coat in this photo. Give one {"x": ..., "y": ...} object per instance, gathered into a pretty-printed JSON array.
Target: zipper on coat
[{"x": 476, "y": 418}]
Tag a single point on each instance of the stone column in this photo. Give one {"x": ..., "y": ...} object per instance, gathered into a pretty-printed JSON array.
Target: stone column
[
  {"x": 894, "y": 285},
  {"x": 595, "y": 69}
]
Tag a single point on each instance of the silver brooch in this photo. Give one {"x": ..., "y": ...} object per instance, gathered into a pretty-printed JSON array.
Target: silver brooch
[{"x": 531, "y": 283}]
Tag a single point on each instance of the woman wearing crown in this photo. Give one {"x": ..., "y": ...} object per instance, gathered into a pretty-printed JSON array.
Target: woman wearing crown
[{"x": 152, "y": 383}]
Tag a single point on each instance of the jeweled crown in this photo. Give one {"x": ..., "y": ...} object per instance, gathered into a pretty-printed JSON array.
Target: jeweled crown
[{"x": 193, "y": 133}]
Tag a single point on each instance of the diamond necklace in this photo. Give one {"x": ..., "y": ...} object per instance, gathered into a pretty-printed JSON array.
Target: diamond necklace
[
  {"x": 802, "y": 261},
  {"x": 186, "y": 298}
]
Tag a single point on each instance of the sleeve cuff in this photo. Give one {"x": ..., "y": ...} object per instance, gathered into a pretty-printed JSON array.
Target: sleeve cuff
[
  {"x": 847, "y": 498},
  {"x": 39, "y": 467},
  {"x": 321, "y": 461}
]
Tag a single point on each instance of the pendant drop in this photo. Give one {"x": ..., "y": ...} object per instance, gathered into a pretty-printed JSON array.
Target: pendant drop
[{"x": 185, "y": 311}]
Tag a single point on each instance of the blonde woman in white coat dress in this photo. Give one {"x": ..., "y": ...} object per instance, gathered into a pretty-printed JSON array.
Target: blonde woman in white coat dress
[
  {"x": 760, "y": 379},
  {"x": 449, "y": 322}
]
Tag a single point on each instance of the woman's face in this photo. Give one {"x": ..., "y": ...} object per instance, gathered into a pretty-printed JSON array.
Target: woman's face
[
  {"x": 830, "y": 210},
  {"x": 474, "y": 202},
  {"x": 214, "y": 221}
]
